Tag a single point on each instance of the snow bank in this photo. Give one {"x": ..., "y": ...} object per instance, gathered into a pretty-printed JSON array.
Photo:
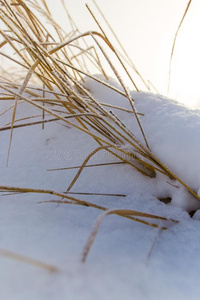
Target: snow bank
[{"x": 128, "y": 259}]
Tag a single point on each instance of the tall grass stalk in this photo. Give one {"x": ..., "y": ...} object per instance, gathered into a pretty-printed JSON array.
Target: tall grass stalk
[{"x": 174, "y": 42}]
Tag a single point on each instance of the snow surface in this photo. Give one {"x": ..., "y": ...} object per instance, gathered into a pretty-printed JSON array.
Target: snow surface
[{"x": 128, "y": 259}]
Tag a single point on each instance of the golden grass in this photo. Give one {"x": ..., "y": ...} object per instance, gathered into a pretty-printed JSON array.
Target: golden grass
[
  {"x": 56, "y": 64},
  {"x": 28, "y": 260}
]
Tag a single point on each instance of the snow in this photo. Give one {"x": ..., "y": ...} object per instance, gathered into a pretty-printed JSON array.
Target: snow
[{"x": 128, "y": 259}]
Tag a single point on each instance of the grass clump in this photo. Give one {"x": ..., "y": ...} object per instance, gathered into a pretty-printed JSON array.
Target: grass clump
[{"x": 56, "y": 64}]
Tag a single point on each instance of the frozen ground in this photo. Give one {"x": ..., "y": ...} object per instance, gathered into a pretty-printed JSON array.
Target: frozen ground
[{"x": 128, "y": 260}]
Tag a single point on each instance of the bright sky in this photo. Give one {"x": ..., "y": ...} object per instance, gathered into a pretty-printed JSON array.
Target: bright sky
[{"x": 147, "y": 29}]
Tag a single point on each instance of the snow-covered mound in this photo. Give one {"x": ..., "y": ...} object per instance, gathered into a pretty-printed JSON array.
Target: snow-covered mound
[
  {"x": 172, "y": 131},
  {"x": 128, "y": 259}
]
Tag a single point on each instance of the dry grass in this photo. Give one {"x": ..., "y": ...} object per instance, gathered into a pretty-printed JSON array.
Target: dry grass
[
  {"x": 57, "y": 64},
  {"x": 28, "y": 260}
]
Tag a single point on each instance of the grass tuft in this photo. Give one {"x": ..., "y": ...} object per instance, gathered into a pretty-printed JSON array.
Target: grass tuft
[{"x": 50, "y": 61}]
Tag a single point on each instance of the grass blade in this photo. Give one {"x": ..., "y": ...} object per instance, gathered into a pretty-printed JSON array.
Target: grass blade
[{"x": 174, "y": 42}]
